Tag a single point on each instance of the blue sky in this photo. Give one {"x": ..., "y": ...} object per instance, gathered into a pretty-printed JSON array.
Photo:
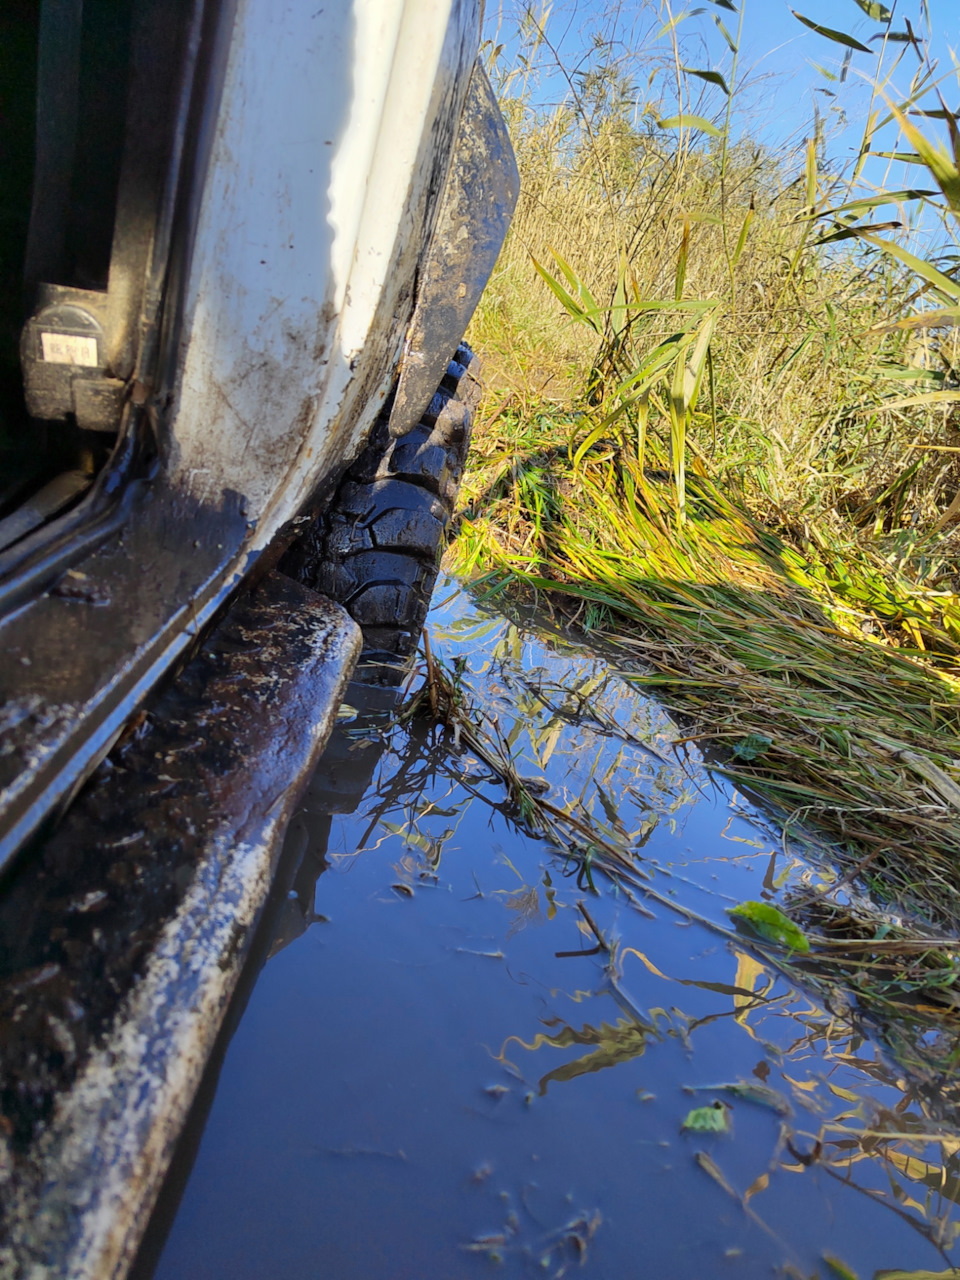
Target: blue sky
[{"x": 777, "y": 53}]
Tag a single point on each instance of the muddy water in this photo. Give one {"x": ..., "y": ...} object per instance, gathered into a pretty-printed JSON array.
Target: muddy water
[{"x": 438, "y": 1072}]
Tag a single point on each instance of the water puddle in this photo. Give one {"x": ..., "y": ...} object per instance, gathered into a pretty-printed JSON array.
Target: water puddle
[{"x": 458, "y": 1061}]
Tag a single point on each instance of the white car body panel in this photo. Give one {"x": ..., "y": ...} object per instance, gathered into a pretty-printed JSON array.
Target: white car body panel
[
  {"x": 307, "y": 196},
  {"x": 310, "y": 159}
]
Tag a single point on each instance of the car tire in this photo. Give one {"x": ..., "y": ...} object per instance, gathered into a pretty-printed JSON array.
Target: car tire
[{"x": 376, "y": 547}]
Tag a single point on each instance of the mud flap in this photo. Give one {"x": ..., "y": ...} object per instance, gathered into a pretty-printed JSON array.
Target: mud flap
[{"x": 478, "y": 201}]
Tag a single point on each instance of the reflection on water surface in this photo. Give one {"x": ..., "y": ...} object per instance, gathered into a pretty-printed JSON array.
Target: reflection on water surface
[{"x": 456, "y": 1056}]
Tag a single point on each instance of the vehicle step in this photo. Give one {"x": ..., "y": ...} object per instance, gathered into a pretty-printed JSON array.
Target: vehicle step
[{"x": 126, "y": 929}]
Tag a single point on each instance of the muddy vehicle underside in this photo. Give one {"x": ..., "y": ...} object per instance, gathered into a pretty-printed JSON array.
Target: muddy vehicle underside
[{"x": 241, "y": 244}]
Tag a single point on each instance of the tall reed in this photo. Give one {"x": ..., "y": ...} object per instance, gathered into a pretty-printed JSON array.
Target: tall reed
[
  {"x": 820, "y": 387},
  {"x": 723, "y": 386}
]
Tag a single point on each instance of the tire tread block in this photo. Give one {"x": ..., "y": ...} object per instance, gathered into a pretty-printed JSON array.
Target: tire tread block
[{"x": 376, "y": 548}]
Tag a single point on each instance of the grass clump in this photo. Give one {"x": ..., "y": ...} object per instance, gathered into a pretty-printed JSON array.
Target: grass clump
[
  {"x": 837, "y": 730},
  {"x": 723, "y": 433}
]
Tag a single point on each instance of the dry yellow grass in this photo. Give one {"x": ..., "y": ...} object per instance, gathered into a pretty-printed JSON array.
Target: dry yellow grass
[
  {"x": 710, "y": 436},
  {"x": 801, "y": 371}
]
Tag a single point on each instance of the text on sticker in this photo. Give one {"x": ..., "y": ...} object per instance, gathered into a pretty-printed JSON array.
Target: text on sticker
[{"x": 68, "y": 348}]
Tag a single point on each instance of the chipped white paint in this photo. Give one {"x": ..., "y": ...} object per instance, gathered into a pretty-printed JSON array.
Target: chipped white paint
[
  {"x": 382, "y": 168},
  {"x": 323, "y": 146}
]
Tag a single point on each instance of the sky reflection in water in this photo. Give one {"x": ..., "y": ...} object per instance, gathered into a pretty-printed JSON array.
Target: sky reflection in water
[{"x": 421, "y": 1086}]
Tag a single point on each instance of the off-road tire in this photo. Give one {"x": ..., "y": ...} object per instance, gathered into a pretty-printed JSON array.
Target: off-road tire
[{"x": 376, "y": 548}]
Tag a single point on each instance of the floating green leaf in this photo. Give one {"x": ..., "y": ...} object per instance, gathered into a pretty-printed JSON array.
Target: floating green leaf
[
  {"x": 838, "y": 37},
  {"x": 748, "y": 1091},
  {"x": 770, "y": 923},
  {"x": 713, "y": 1119},
  {"x": 752, "y": 746}
]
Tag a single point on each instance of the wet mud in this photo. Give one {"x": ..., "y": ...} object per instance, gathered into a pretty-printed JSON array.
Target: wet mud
[
  {"x": 457, "y": 1057},
  {"x": 83, "y": 909}
]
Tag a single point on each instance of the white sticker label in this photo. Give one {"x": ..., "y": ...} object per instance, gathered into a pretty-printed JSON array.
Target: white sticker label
[{"x": 67, "y": 348}]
